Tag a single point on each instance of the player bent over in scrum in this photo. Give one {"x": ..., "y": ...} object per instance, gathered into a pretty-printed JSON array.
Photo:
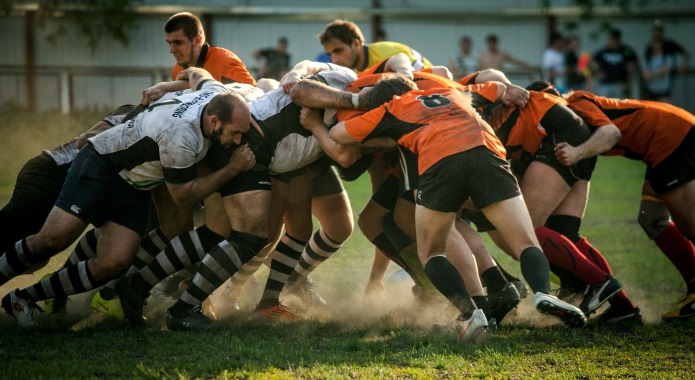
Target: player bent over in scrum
[{"x": 459, "y": 156}]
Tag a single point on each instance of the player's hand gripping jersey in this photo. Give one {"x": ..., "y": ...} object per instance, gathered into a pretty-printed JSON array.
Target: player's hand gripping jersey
[
  {"x": 481, "y": 94},
  {"x": 430, "y": 123},
  {"x": 525, "y": 128}
]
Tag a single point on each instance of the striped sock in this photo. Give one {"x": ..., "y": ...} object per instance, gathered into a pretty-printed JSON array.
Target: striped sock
[
  {"x": 182, "y": 251},
  {"x": 319, "y": 249},
  {"x": 74, "y": 279},
  {"x": 84, "y": 250},
  {"x": 283, "y": 260},
  {"x": 218, "y": 266},
  {"x": 17, "y": 260}
]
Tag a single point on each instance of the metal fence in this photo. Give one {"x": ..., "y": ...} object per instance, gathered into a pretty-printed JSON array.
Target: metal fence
[{"x": 68, "y": 89}]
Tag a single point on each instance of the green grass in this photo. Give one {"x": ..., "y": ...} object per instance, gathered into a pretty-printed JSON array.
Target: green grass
[{"x": 386, "y": 338}]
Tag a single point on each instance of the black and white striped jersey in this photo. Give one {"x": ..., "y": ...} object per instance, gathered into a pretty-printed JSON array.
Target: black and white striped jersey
[
  {"x": 290, "y": 145},
  {"x": 163, "y": 143}
]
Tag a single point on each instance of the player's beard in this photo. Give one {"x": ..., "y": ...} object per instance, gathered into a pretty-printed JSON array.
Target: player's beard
[{"x": 215, "y": 136}]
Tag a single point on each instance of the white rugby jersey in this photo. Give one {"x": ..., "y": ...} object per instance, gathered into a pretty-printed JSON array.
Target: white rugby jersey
[
  {"x": 163, "y": 143},
  {"x": 290, "y": 145},
  {"x": 247, "y": 91}
]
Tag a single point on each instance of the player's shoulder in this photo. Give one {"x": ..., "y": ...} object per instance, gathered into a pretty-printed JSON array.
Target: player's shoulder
[{"x": 220, "y": 54}]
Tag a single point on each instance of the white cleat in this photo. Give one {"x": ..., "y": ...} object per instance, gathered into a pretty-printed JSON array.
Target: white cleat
[
  {"x": 22, "y": 310},
  {"x": 473, "y": 328},
  {"x": 570, "y": 315}
]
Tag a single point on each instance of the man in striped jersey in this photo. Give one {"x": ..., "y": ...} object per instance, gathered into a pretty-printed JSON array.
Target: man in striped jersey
[{"x": 110, "y": 181}]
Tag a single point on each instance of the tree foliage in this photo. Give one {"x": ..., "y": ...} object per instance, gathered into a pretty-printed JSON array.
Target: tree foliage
[{"x": 94, "y": 19}]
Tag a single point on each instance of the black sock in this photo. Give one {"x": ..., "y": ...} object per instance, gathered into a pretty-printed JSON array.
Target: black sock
[
  {"x": 448, "y": 281},
  {"x": 482, "y": 304},
  {"x": 510, "y": 277},
  {"x": 493, "y": 279},
  {"x": 535, "y": 268}
]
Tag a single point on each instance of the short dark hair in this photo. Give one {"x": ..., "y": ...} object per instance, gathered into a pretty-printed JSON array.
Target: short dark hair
[
  {"x": 342, "y": 30},
  {"x": 283, "y": 40},
  {"x": 543, "y": 86},
  {"x": 491, "y": 38},
  {"x": 388, "y": 86},
  {"x": 186, "y": 21},
  {"x": 223, "y": 106}
]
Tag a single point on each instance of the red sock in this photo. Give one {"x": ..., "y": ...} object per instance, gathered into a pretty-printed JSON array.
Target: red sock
[
  {"x": 560, "y": 251},
  {"x": 680, "y": 251},
  {"x": 593, "y": 254}
]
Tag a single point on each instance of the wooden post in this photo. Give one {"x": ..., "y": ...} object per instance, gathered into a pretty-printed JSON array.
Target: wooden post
[
  {"x": 29, "y": 59},
  {"x": 376, "y": 19},
  {"x": 207, "y": 27}
]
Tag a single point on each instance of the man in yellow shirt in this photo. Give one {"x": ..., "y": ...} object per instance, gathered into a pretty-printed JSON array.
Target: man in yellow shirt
[{"x": 344, "y": 43}]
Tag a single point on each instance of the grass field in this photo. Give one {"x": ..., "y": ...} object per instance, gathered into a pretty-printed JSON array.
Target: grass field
[{"x": 353, "y": 337}]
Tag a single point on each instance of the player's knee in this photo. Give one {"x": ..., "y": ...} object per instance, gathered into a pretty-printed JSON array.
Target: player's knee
[
  {"x": 654, "y": 217},
  {"x": 340, "y": 231}
]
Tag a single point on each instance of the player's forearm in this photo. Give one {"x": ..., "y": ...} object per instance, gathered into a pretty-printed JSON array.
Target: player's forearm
[
  {"x": 604, "y": 138},
  {"x": 488, "y": 75},
  {"x": 200, "y": 188},
  {"x": 312, "y": 94},
  {"x": 344, "y": 155}
]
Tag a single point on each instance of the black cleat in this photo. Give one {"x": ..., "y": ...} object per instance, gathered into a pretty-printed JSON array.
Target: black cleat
[
  {"x": 195, "y": 320},
  {"x": 503, "y": 302},
  {"x": 595, "y": 295}
]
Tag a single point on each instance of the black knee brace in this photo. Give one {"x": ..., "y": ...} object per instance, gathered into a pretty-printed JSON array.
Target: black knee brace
[{"x": 399, "y": 239}]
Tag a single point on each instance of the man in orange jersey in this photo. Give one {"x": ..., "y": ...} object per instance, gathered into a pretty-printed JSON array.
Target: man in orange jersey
[
  {"x": 458, "y": 156},
  {"x": 663, "y": 137},
  {"x": 556, "y": 208}
]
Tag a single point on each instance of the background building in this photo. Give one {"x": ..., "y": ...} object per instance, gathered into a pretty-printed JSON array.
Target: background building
[{"x": 66, "y": 74}]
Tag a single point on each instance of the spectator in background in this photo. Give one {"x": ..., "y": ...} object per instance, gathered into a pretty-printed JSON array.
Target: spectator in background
[
  {"x": 656, "y": 73},
  {"x": 553, "y": 63},
  {"x": 276, "y": 61},
  {"x": 577, "y": 65},
  {"x": 494, "y": 58},
  {"x": 614, "y": 67},
  {"x": 465, "y": 62},
  {"x": 659, "y": 52}
]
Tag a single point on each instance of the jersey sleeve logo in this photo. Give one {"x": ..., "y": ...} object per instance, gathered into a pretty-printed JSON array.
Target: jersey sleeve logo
[{"x": 434, "y": 100}]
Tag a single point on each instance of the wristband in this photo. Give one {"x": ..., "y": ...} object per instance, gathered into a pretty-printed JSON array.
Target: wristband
[{"x": 355, "y": 100}]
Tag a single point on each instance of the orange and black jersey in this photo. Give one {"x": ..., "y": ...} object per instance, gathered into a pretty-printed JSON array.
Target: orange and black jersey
[
  {"x": 481, "y": 94},
  {"x": 432, "y": 123},
  {"x": 222, "y": 64},
  {"x": 527, "y": 127},
  {"x": 469, "y": 79},
  {"x": 651, "y": 131}
]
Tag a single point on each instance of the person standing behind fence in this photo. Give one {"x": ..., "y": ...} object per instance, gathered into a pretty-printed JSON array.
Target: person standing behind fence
[
  {"x": 553, "y": 63},
  {"x": 614, "y": 67},
  {"x": 659, "y": 53},
  {"x": 465, "y": 62},
  {"x": 276, "y": 61},
  {"x": 578, "y": 72},
  {"x": 494, "y": 57}
]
